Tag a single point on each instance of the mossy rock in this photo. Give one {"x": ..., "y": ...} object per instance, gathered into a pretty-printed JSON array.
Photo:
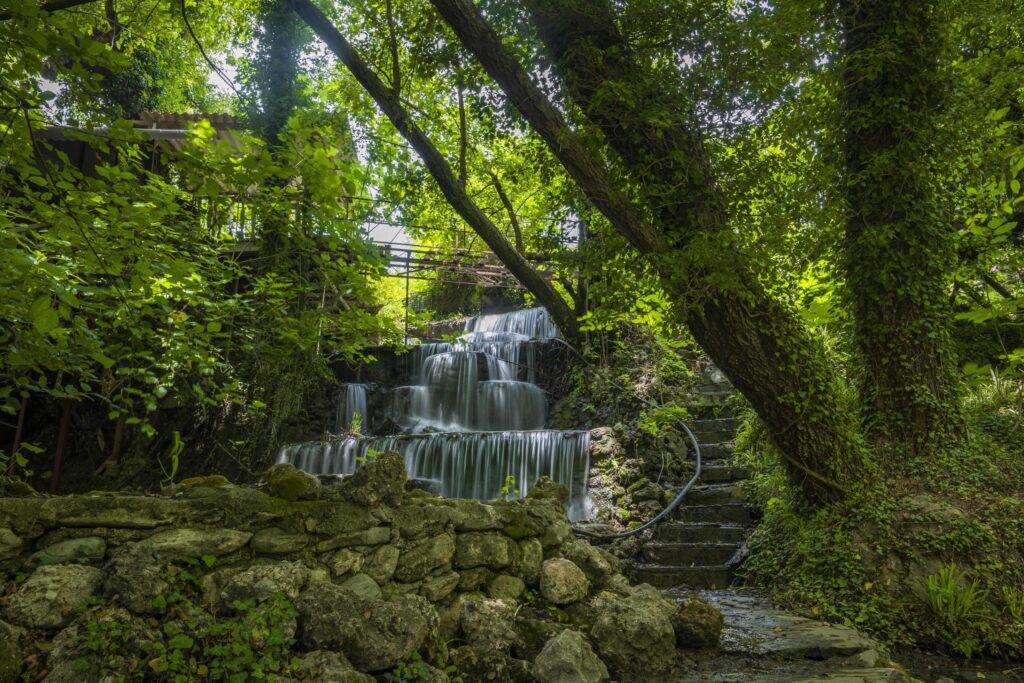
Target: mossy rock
[{"x": 291, "y": 484}]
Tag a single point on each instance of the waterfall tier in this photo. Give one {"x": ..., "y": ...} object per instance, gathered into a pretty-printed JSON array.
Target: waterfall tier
[{"x": 465, "y": 465}]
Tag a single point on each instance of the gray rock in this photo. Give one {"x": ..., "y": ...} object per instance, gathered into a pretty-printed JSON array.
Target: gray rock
[
  {"x": 562, "y": 582},
  {"x": 697, "y": 624},
  {"x": 289, "y": 483},
  {"x": 10, "y": 544},
  {"x": 421, "y": 559},
  {"x": 439, "y": 587},
  {"x": 51, "y": 596},
  {"x": 381, "y": 565},
  {"x": 346, "y": 561},
  {"x": 419, "y": 519},
  {"x": 10, "y": 653},
  {"x": 568, "y": 658},
  {"x": 480, "y": 549},
  {"x": 505, "y": 587},
  {"x": 373, "y": 536},
  {"x": 186, "y": 543},
  {"x": 631, "y": 636},
  {"x": 137, "y": 580},
  {"x": 604, "y": 444},
  {"x": 274, "y": 541},
  {"x": 474, "y": 579},
  {"x": 85, "y": 550},
  {"x": 363, "y": 586},
  {"x": 381, "y": 482},
  {"x": 599, "y": 565},
  {"x": 330, "y": 667},
  {"x": 489, "y": 623},
  {"x": 531, "y": 556},
  {"x": 263, "y": 581}
]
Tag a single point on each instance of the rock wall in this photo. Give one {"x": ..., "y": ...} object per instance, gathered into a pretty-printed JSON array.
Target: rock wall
[{"x": 295, "y": 580}]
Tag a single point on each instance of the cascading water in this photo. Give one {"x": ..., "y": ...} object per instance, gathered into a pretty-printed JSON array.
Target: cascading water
[
  {"x": 351, "y": 408},
  {"x": 473, "y": 422}
]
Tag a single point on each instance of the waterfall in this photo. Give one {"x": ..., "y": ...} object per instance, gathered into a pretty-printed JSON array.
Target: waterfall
[
  {"x": 472, "y": 420},
  {"x": 351, "y": 401}
]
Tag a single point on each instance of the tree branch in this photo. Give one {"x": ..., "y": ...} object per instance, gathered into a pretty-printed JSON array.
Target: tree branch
[
  {"x": 439, "y": 168},
  {"x": 511, "y": 210},
  {"x": 50, "y": 7}
]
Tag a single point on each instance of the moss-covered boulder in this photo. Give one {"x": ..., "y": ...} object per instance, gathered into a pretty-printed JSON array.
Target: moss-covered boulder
[
  {"x": 10, "y": 544},
  {"x": 83, "y": 550},
  {"x": 276, "y": 541},
  {"x": 188, "y": 543},
  {"x": 262, "y": 581},
  {"x": 489, "y": 623},
  {"x": 480, "y": 663},
  {"x": 330, "y": 667},
  {"x": 482, "y": 549},
  {"x": 289, "y": 483},
  {"x": 562, "y": 582},
  {"x": 631, "y": 634},
  {"x": 423, "y": 557},
  {"x": 548, "y": 489},
  {"x": 52, "y": 595},
  {"x": 598, "y": 564},
  {"x": 697, "y": 624},
  {"x": 381, "y": 564},
  {"x": 10, "y": 653},
  {"x": 568, "y": 658}
]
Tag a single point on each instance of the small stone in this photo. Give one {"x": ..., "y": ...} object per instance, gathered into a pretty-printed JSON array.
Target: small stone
[
  {"x": 698, "y": 624},
  {"x": 51, "y": 596},
  {"x": 346, "y": 561},
  {"x": 381, "y": 565},
  {"x": 437, "y": 588},
  {"x": 505, "y": 587},
  {"x": 363, "y": 586},
  {"x": 562, "y": 582},
  {"x": 476, "y": 549},
  {"x": 274, "y": 541},
  {"x": 289, "y": 483},
  {"x": 263, "y": 581},
  {"x": 85, "y": 550},
  {"x": 568, "y": 658},
  {"x": 418, "y": 561},
  {"x": 10, "y": 544}
]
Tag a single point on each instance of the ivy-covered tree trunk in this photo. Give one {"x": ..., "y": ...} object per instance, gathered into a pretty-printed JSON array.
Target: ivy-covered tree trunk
[{"x": 900, "y": 244}]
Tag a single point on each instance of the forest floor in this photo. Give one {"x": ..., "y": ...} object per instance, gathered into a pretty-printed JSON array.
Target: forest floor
[{"x": 766, "y": 645}]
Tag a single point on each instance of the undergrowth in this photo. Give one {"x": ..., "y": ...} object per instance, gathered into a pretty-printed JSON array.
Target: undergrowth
[{"x": 933, "y": 559}]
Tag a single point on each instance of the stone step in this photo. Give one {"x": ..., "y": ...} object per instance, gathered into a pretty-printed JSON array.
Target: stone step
[
  {"x": 709, "y": 411},
  {"x": 689, "y": 554},
  {"x": 660, "y": 576},
  {"x": 729, "y": 513},
  {"x": 715, "y": 494},
  {"x": 715, "y": 451},
  {"x": 715, "y": 472},
  {"x": 714, "y": 430},
  {"x": 695, "y": 532}
]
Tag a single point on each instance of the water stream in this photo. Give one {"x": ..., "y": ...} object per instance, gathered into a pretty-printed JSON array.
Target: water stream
[{"x": 471, "y": 422}]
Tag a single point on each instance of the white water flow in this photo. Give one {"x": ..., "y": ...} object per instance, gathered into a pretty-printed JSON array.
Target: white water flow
[
  {"x": 473, "y": 422},
  {"x": 351, "y": 401}
]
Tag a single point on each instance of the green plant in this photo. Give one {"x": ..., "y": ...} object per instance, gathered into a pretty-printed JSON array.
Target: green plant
[
  {"x": 355, "y": 426},
  {"x": 508, "y": 490},
  {"x": 413, "y": 670},
  {"x": 959, "y": 606},
  {"x": 1013, "y": 603}
]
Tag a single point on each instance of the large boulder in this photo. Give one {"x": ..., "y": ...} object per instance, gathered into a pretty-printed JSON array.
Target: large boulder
[
  {"x": 381, "y": 482},
  {"x": 530, "y": 558},
  {"x": 52, "y": 595},
  {"x": 289, "y": 483},
  {"x": 489, "y": 623},
  {"x": 562, "y": 582},
  {"x": 137, "y": 580},
  {"x": 10, "y": 653},
  {"x": 697, "y": 624},
  {"x": 374, "y": 635},
  {"x": 632, "y": 635},
  {"x": 568, "y": 658}
]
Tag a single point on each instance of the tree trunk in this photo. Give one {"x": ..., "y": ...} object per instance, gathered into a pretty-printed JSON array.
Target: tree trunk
[
  {"x": 531, "y": 279},
  {"x": 757, "y": 341},
  {"x": 900, "y": 244}
]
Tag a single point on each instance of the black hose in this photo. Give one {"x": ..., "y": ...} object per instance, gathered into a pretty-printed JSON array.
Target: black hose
[{"x": 679, "y": 496}]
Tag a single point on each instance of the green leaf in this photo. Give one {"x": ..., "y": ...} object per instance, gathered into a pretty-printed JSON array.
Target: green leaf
[{"x": 44, "y": 317}]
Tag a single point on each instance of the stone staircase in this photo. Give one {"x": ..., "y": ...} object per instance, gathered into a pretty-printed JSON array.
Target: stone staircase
[{"x": 696, "y": 547}]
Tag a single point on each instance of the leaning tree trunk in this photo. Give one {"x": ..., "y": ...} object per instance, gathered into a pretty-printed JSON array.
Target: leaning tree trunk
[
  {"x": 757, "y": 341},
  {"x": 900, "y": 244},
  {"x": 454, "y": 191}
]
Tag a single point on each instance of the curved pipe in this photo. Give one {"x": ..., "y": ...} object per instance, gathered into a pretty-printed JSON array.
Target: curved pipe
[{"x": 679, "y": 496}]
